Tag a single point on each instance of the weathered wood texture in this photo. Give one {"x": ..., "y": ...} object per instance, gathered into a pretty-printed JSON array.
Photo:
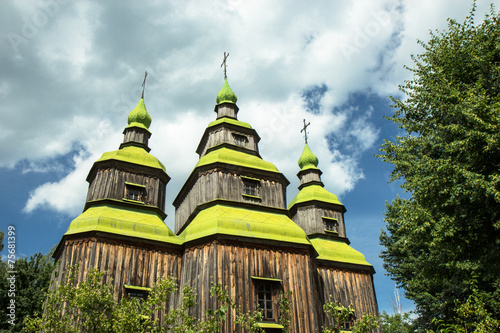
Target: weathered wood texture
[
  {"x": 124, "y": 263},
  {"x": 225, "y": 135},
  {"x": 230, "y": 265},
  {"x": 110, "y": 183},
  {"x": 310, "y": 176},
  {"x": 349, "y": 287},
  {"x": 226, "y": 110},
  {"x": 310, "y": 219},
  {"x": 224, "y": 184},
  {"x": 136, "y": 135},
  {"x": 233, "y": 265}
]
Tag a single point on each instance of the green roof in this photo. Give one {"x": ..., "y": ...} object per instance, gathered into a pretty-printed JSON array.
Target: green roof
[
  {"x": 227, "y": 220},
  {"x": 229, "y": 121},
  {"x": 314, "y": 192},
  {"x": 308, "y": 160},
  {"x": 337, "y": 250},
  {"x": 127, "y": 221},
  {"x": 139, "y": 116},
  {"x": 226, "y": 95},
  {"x": 135, "y": 155},
  {"x": 233, "y": 157}
]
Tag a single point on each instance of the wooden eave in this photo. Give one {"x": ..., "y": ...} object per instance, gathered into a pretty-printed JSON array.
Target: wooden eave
[
  {"x": 128, "y": 167},
  {"x": 316, "y": 203},
  {"x": 204, "y": 138},
  {"x": 128, "y": 240},
  {"x": 278, "y": 176}
]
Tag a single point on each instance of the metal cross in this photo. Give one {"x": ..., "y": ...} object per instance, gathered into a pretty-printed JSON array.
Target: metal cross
[
  {"x": 144, "y": 83},
  {"x": 305, "y": 129},
  {"x": 224, "y": 64}
]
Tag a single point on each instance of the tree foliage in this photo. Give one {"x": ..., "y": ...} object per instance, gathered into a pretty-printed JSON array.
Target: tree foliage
[
  {"x": 89, "y": 307},
  {"x": 471, "y": 317},
  {"x": 31, "y": 281},
  {"x": 339, "y": 314},
  {"x": 396, "y": 323},
  {"x": 446, "y": 236}
]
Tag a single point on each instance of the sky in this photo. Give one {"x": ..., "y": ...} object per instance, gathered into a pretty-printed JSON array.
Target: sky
[{"x": 71, "y": 71}]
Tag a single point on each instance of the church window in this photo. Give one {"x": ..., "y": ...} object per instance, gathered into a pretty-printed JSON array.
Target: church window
[
  {"x": 135, "y": 192},
  {"x": 331, "y": 224},
  {"x": 140, "y": 293},
  {"x": 239, "y": 139},
  {"x": 251, "y": 187},
  {"x": 266, "y": 292},
  {"x": 348, "y": 324},
  {"x": 265, "y": 299}
]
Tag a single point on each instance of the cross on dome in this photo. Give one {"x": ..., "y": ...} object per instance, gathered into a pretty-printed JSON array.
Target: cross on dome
[
  {"x": 224, "y": 63},
  {"x": 304, "y": 129},
  {"x": 144, "y": 83}
]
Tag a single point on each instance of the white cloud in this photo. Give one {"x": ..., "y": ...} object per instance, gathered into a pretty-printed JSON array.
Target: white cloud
[
  {"x": 65, "y": 88},
  {"x": 65, "y": 196}
]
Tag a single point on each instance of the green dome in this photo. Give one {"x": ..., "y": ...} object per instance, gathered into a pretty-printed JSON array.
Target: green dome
[
  {"x": 139, "y": 116},
  {"x": 226, "y": 95},
  {"x": 308, "y": 160}
]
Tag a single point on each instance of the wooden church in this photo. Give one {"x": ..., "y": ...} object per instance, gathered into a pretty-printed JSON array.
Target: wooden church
[{"x": 233, "y": 227}]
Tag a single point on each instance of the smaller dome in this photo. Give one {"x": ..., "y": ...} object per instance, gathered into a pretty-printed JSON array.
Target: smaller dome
[
  {"x": 308, "y": 160},
  {"x": 226, "y": 95},
  {"x": 139, "y": 116}
]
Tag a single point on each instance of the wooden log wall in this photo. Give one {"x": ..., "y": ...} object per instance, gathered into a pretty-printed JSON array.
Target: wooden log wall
[
  {"x": 349, "y": 287},
  {"x": 224, "y": 184},
  {"x": 110, "y": 183},
  {"x": 306, "y": 177},
  {"x": 310, "y": 219},
  {"x": 124, "y": 263},
  {"x": 233, "y": 265},
  {"x": 223, "y": 134},
  {"x": 136, "y": 135},
  {"x": 224, "y": 110}
]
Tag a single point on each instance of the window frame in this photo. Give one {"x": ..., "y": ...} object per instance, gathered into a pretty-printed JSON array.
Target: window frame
[
  {"x": 138, "y": 196},
  {"x": 331, "y": 224},
  {"x": 274, "y": 286},
  {"x": 144, "y": 291},
  {"x": 254, "y": 185},
  {"x": 240, "y": 139}
]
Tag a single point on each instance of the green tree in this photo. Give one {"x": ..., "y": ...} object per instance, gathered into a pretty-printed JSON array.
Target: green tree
[
  {"x": 339, "y": 314},
  {"x": 448, "y": 160},
  {"x": 89, "y": 307},
  {"x": 366, "y": 324},
  {"x": 472, "y": 317},
  {"x": 31, "y": 281},
  {"x": 396, "y": 323}
]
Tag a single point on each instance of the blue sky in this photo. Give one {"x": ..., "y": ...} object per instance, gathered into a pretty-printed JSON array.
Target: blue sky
[{"x": 70, "y": 71}]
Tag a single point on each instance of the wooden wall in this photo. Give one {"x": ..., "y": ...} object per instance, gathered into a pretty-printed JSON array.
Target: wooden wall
[
  {"x": 224, "y": 134},
  {"x": 110, "y": 183},
  {"x": 309, "y": 219},
  {"x": 349, "y": 287},
  {"x": 136, "y": 135},
  {"x": 224, "y": 184},
  {"x": 124, "y": 263},
  {"x": 233, "y": 265}
]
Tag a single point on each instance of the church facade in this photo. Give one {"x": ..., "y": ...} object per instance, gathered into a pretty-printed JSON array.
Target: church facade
[{"x": 233, "y": 227}]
